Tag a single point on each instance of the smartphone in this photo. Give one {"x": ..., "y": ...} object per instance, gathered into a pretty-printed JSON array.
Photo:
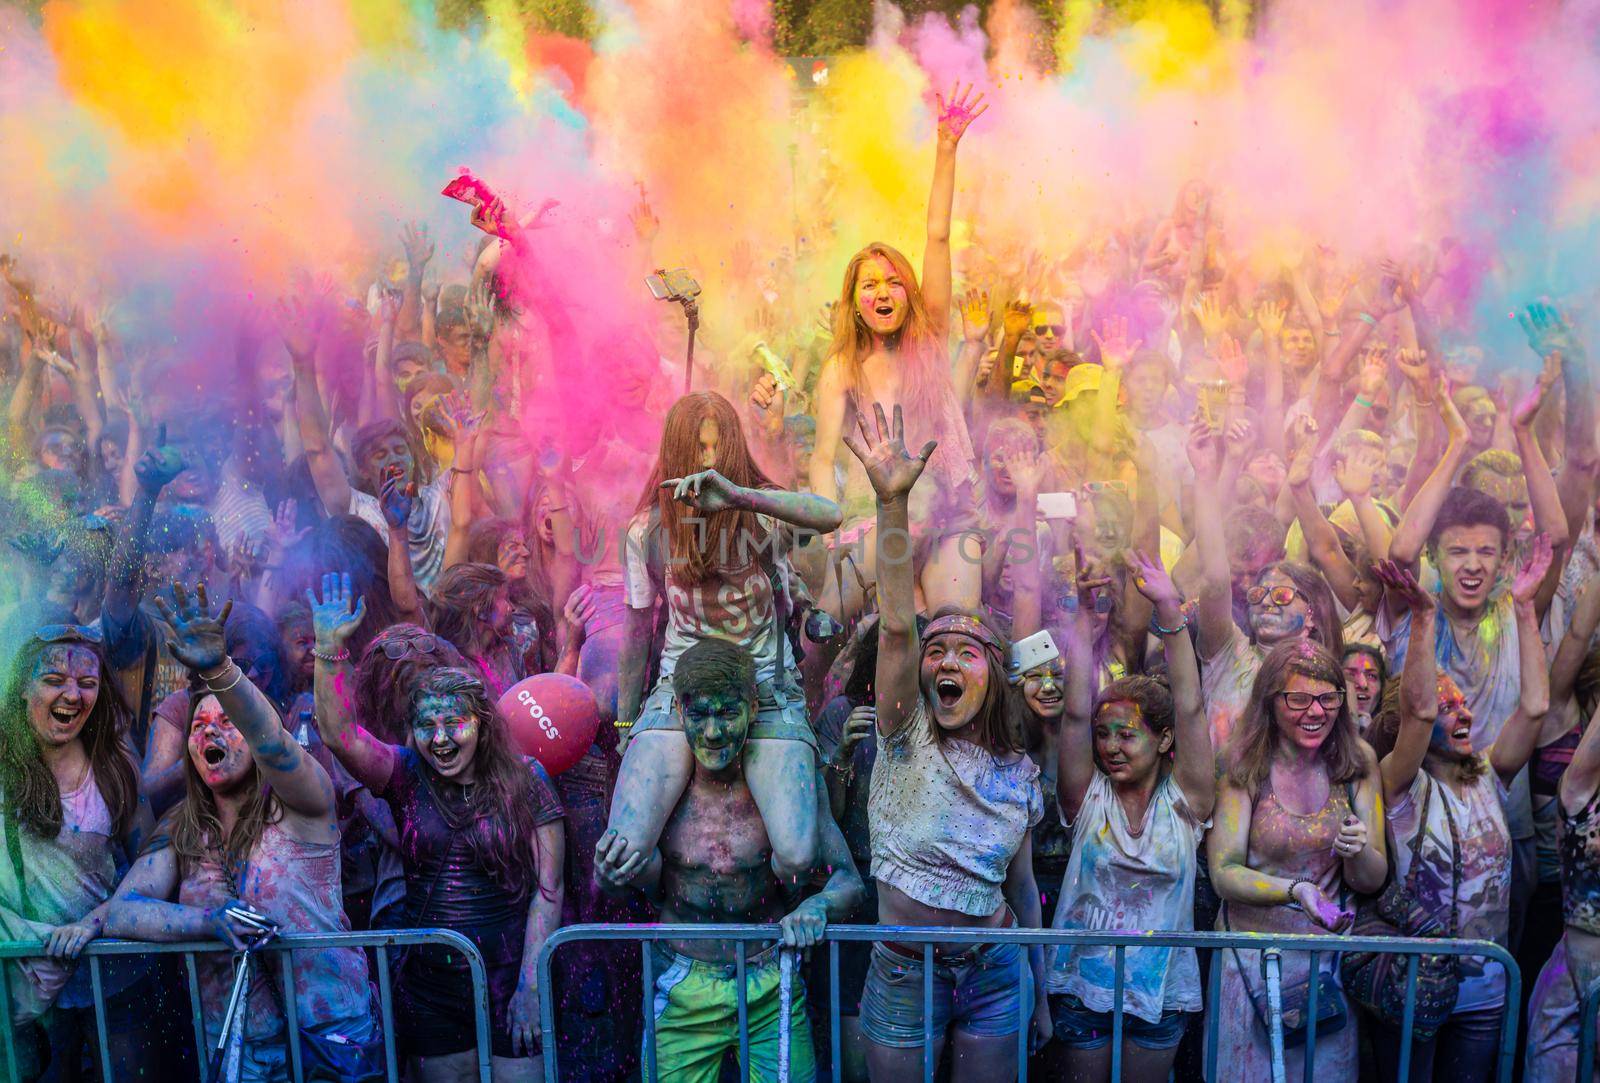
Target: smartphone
[
  {"x": 1058, "y": 506},
  {"x": 672, "y": 285},
  {"x": 1214, "y": 402},
  {"x": 1032, "y": 652}
]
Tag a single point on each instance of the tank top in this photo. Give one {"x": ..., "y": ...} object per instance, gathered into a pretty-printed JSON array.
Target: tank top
[
  {"x": 1580, "y": 868},
  {"x": 1296, "y": 847}
]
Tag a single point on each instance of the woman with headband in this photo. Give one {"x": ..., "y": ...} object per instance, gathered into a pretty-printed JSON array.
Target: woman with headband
[{"x": 953, "y": 803}]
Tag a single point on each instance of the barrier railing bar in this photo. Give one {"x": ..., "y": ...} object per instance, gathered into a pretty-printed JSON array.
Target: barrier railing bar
[
  {"x": 386, "y": 1011},
  {"x": 195, "y": 1015},
  {"x": 927, "y": 1013},
  {"x": 1308, "y": 1067},
  {"x": 1272, "y": 974},
  {"x": 1408, "y": 1017},
  {"x": 7, "y": 1039},
  {"x": 97, "y": 987},
  {"x": 1213, "y": 1019},
  {"x": 740, "y": 975},
  {"x": 286, "y": 944},
  {"x": 649, "y": 1012},
  {"x": 1024, "y": 1013},
  {"x": 1119, "y": 982},
  {"x": 1508, "y": 1026},
  {"x": 291, "y": 1013},
  {"x": 834, "y": 1026}
]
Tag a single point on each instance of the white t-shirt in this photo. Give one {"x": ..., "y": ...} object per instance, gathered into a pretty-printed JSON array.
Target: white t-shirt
[
  {"x": 1226, "y": 679},
  {"x": 1483, "y": 898},
  {"x": 735, "y": 604},
  {"x": 1117, "y": 880},
  {"x": 426, "y": 529}
]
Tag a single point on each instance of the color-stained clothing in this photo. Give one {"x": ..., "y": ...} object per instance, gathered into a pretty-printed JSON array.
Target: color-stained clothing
[
  {"x": 735, "y": 603},
  {"x": 296, "y": 884},
  {"x": 1483, "y": 895},
  {"x": 1284, "y": 844},
  {"x": 1580, "y": 867},
  {"x": 1225, "y": 682},
  {"x": 65, "y": 878},
  {"x": 1121, "y": 880},
  {"x": 696, "y": 1007},
  {"x": 947, "y": 817},
  {"x": 426, "y": 529}
]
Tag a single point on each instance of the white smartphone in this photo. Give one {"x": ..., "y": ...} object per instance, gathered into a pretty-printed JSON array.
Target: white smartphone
[
  {"x": 1032, "y": 652},
  {"x": 1058, "y": 506}
]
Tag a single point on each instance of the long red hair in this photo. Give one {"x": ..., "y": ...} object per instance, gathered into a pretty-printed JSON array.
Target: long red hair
[{"x": 697, "y": 550}]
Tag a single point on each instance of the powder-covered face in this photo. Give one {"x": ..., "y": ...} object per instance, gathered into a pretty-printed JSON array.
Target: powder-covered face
[
  {"x": 512, "y": 556},
  {"x": 445, "y": 732},
  {"x": 1146, "y": 387},
  {"x": 1306, "y": 727},
  {"x": 1268, "y": 471},
  {"x": 61, "y": 450},
  {"x": 1044, "y": 688},
  {"x": 501, "y": 611},
  {"x": 1469, "y": 559},
  {"x": 1054, "y": 380},
  {"x": 1125, "y": 746},
  {"x": 1271, "y": 623},
  {"x": 298, "y": 639},
  {"x": 955, "y": 678},
  {"x": 218, "y": 751},
  {"x": 61, "y": 693},
  {"x": 1480, "y": 413},
  {"x": 406, "y": 371},
  {"x": 1452, "y": 728},
  {"x": 710, "y": 438},
  {"x": 1299, "y": 347},
  {"x": 716, "y": 725},
  {"x": 1049, "y": 328},
  {"x": 883, "y": 298},
  {"x": 1361, "y": 678},
  {"x": 389, "y": 457}
]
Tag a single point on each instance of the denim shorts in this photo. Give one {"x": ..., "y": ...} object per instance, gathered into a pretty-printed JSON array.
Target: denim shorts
[
  {"x": 978, "y": 990},
  {"x": 1080, "y": 1027},
  {"x": 782, "y": 713}
]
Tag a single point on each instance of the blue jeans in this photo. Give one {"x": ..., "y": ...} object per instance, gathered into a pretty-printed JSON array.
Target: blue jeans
[
  {"x": 1080, "y": 1027},
  {"x": 978, "y": 990},
  {"x": 1466, "y": 1049}
]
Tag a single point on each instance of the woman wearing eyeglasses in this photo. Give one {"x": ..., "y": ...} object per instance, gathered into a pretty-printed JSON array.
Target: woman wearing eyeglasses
[
  {"x": 1287, "y": 601},
  {"x": 1298, "y": 828},
  {"x": 482, "y": 843},
  {"x": 72, "y": 818}
]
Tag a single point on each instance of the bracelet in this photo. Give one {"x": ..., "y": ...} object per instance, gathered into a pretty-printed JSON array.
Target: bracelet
[
  {"x": 1332, "y": 332},
  {"x": 1156, "y": 629},
  {"x": 340, "y": 655},
  {"x": 238, "y": 675},
  {"x": 1367, "y": 317},
  {"x": 459, "y": 470},
  {"x": 621, "y": 725},
  {"x": 1363, "y": 402},
  {"x": 1418, "y": 402},
  {"x": 845, "y": 771},
  {"x": 1296, "y": 883}
]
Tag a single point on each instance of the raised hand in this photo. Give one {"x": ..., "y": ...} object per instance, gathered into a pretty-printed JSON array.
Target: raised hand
[
  {"x": 1231, "y": 359},
  {"x": 197, "y": 639},
  {"x": 957, "y": 112},
  {"x": 1112, "y": 338},
  {"x": 707, "y": 491},
  {"x": 333, "y": 619},
  {"x": 283, "y": 535},
  {"x": 1527, "y": 407},
  {"x": 1400, "y": 584},
  {"x": 1150, "y": 578},
  {"x": 1205, "y": 449},
  {"x": 1357, "y": 470},
  {"x": 300, "y": 323},
  {"x": 891, "y": 469},
  {"x": 1414, "y": 366},
  {"x": 1209, "y": 314},
  {"x": 975, "y": 315},
  {"x": 1026, "y": 469},
  {"x": 1525, "y": 587},
  {"x": 418, "y": 245},
  {"x": 645, "y": 223},
  {"x": 389, "y": 301},
  {"x": 1454, "y": 426},
  {"x": 1017, "y": 319},
  {"x": 1302, "y": 450},
  {"x": 1269, "y": 318},
  {"x": 396, "y": 498},
  {"x": 157, "y": 467},
  {"x": 1547, "y": 330}
]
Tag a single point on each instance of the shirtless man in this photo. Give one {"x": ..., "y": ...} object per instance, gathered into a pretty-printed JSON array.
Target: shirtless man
[{"x": 714, "y": 865}]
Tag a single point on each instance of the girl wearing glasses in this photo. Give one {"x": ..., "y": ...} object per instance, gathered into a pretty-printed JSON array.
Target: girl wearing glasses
[
  {"x": 482, "y": 843},
  {"x": 1298, "y": 828},
  {"x": 1287, "y": 602},
  {"x": 72, "y": 818}
]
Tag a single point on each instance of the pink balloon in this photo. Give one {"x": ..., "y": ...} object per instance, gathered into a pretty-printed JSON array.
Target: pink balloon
[{"x": 553, "y": 718}]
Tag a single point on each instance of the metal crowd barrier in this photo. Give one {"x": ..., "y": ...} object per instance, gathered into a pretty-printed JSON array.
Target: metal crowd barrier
[
  {"x": 1271, "y": 946},
  {"x": 382, "y": 941}
]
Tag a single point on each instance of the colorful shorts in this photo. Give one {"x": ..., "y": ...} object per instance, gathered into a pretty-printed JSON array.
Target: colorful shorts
[
  {"x": 697, "y": 1018},
  {"x": 976, "y": 990}
]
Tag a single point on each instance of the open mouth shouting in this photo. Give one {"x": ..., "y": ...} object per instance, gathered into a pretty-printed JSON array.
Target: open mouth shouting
[
  {"x": 949, "y": 691},
  {"x": 446, "y": 756},
  {"x": 214, "y": 755},
  {"x": 66, "y": 716}
]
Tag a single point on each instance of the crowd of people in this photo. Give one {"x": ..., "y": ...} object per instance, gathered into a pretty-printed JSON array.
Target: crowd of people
[{"x": 1159, "y": 592}]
